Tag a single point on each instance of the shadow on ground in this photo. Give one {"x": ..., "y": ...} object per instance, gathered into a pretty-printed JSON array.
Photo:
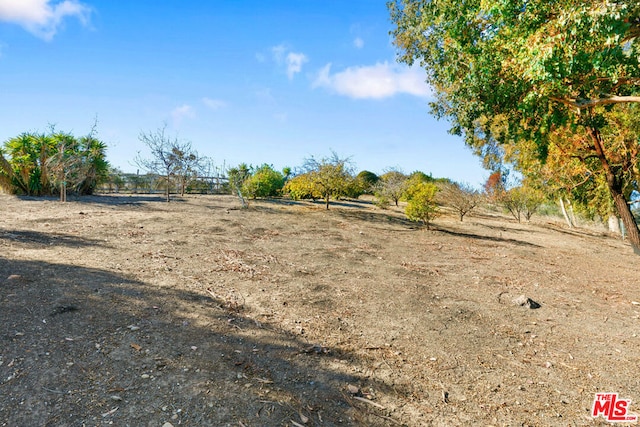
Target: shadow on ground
[
  {"x": 82, "y": 346},
  {"x": 30, "y": 238}
]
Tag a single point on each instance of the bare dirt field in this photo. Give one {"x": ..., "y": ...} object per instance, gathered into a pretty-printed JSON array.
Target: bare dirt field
[{"x": 127, "y": 311}]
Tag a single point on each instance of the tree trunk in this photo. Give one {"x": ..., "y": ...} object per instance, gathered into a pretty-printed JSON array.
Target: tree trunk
[
  {"x": 615, "y": 185},
  {"x": 168, "y": 188},
  {"x": 564, "y": 213},
  {"x": 572, "y": 214}
]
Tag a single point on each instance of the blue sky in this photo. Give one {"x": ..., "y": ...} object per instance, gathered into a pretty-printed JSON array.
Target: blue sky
[{"x": 260, "y": 81}]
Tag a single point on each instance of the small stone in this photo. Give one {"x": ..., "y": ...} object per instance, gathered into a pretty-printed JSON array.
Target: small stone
[
  {"x": 523, "y": 300},
  {"x": 116, "y": 398},
  {"x": 144, "y": 376},
  {"x": 167, "y": 425}
]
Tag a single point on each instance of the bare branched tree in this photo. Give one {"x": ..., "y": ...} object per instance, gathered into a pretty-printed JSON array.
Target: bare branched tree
[
  {"x": 168, "y": 155},
  {"x": 461, "y": 197}
]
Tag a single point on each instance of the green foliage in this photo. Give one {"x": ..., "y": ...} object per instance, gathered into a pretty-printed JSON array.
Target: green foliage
[
  {"x": 46, "y": 164},
  {"x": 302, "y": 187},
  {"x": 421, "y": 202},
  {"x": 419, "y": 176},
  {"x": 330, "y": 177},
  {"x": 237, "y": 177},
  {"x": 512, "y": 76},
  {"x": 522, "y": 200},
  {"x": 366, "y": 181},
  {"x": 263, "y": 182}
]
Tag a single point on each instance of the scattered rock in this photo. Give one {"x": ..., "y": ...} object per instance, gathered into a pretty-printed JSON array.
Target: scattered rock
[
  {"x": 523, "y": 300},
  {"x": 353, "y": 389},
  {"x": 167, "y": 425}
]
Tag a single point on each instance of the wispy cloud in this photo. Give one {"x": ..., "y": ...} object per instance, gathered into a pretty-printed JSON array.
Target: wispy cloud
[
  {"x": 358, "y": 43},
  {"x": 292, "y": 61},
  {"x": 43, "y": 18},
  {"x": 182, "y": 112},
  {"x": 378, "y": 81},
  {"x": 214, "y": 104},
  {"x": 278, "y": 52}
]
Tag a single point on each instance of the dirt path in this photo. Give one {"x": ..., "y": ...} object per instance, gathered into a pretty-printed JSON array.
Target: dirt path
[{"x": 133, "y": 312}]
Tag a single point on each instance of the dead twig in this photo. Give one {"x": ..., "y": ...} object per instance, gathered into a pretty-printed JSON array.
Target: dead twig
[{"x": 370, "y": 402}]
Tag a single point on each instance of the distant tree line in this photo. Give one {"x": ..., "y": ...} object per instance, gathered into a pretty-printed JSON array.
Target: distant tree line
[{"x": 55, "y": 163}]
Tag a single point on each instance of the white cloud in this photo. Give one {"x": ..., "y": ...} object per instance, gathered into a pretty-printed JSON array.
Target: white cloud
[
  {"x": 378, "y": 81},
  {"x": 182, "y": 112},
  {"x": 43, "y": 17},
  {"x": 358, "y": 43},
  {"x": 294, "y": 63},
  {"x": 214, "y": 104}
]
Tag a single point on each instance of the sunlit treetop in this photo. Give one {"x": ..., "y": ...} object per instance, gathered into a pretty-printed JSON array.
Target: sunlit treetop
[{"x": 535, "y": 62}]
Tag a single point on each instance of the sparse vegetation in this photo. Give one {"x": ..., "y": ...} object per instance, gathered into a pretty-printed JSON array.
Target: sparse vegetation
[
  {"x": 462, "y": 198},
  {"x": 170, "y": 157}
]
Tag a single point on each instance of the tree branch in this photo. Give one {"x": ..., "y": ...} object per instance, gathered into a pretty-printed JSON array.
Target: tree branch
[{"x": 589, "y": 103}]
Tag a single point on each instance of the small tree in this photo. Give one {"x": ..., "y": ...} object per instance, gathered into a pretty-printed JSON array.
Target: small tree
[
  {"x": 167, "y": 155},
  {"x": 331, "y": 177},
  {"x": 63, "y": 165},
  {"x": 237, "y": 177},
  {"x": 391, "y": 186},
  {"x": 189, "y": 164},
  {"x": 421, "y": 202},
  {"x": 461, "y": 197},
  {"x": 263, "y": 182},
  {"x": 520, "y": 201}
]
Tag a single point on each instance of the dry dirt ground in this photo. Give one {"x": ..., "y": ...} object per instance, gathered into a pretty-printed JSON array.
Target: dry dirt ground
[{"x": 128, "y": 311}]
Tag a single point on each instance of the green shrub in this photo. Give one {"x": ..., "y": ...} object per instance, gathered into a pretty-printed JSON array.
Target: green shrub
[
  {"x": 421, "y": 202},
  {"x": 264, "y": 182}
]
